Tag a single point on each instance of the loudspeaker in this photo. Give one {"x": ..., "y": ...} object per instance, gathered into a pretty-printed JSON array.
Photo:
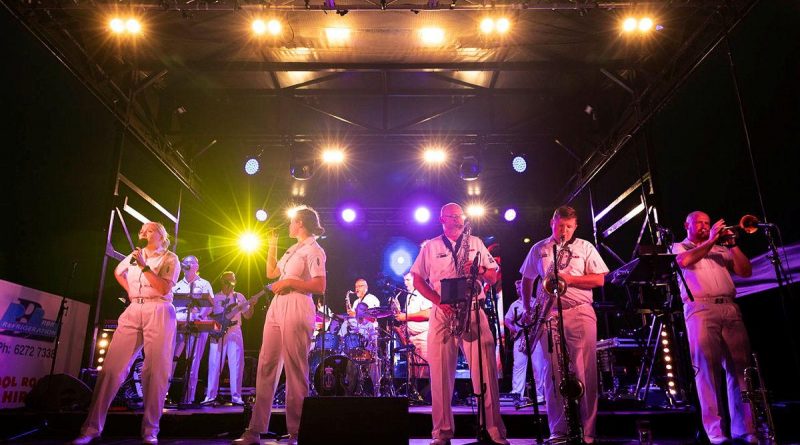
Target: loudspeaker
[
  {"x": 61, "y": 392},
  {"x": 354, "y": 421}
]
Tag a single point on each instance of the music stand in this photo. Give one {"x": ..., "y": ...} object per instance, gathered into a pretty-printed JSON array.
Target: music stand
[
  {"x": 454, "y": 290},
  {"x": 189, "y": 301}
]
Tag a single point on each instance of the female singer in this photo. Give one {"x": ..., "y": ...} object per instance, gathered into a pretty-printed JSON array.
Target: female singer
[
  {"x": 289, "y": 324},
  {"x": 148, "y": 276}
]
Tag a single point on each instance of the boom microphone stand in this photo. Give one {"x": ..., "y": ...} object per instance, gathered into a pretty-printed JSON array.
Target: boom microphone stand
[{"x": 537, "y": 418}]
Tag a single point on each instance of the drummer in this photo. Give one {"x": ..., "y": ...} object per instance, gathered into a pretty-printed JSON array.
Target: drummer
[{"x": 363, "y": 327}]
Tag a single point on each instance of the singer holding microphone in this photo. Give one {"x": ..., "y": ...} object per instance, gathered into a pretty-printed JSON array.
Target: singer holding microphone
[
  {"x": 148, "y": 276},
  {"x": 289, "y": 324},
  {"x": 582, "y": 269}
]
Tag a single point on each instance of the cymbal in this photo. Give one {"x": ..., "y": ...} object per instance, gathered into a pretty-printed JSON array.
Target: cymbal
[{"x": 380, "y": 312}]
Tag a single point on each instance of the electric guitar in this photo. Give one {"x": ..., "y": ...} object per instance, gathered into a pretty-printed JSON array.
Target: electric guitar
[{"x": 225, "y": 318}]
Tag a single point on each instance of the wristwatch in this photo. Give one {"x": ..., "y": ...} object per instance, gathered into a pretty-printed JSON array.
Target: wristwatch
[{"x": 146, "y": 269}]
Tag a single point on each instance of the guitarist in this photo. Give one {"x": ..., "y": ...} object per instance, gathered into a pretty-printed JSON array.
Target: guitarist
[{"x": 231, "y": 305}]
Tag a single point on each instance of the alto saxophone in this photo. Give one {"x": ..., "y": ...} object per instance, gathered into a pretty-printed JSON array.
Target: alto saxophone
[{"x": 348, "y": 307}]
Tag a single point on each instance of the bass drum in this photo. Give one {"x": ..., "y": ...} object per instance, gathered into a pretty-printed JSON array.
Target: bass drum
[{"x": 336, "y": 376}]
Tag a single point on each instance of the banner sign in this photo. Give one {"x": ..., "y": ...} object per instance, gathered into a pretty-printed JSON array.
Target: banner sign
[{"x": 27, "y": 339}]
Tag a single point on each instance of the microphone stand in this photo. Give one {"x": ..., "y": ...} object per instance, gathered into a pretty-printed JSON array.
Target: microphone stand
[{"x": 482, "y": 436}]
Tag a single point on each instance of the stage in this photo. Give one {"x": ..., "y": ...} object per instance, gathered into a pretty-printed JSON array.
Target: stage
[{"x": 615, "y": 424}]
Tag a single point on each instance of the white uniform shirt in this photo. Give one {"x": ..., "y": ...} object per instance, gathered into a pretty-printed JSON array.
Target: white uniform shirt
[
  {"x": 584, "y": 260},
  {"x": 710, "y": 276},
  {"x": 435, "y": 261},
  {"x": 369, "y": 299},
  {"x": 416, "y": 303},
  {"x": 222, "y": 302},
  {"x": 163, "y": 262},
  {"x": 303, "y": 261},
  {"x": 198, "y": 288}
]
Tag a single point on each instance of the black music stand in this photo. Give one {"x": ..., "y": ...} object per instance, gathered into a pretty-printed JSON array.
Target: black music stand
[{"x": 189, "y": 302}]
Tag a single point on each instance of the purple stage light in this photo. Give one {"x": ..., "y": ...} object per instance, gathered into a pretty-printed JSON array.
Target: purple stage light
[
  {"x": 348, "y": 215},
  {"x": 510, "y": 215},
  {"x": 422, "y": 215}
]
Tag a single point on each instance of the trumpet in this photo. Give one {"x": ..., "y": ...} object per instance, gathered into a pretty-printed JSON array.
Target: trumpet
[{"x": 748, "y": 224}]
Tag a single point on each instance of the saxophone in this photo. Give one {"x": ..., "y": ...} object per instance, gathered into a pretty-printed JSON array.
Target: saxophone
[
  {"x": 348, "y": 307},
  {"x": 460, "y": 318},
  {"x": 546, "y": 290}
]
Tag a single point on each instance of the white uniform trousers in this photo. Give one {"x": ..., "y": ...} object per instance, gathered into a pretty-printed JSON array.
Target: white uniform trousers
[
  {"x": 150, "y": 325},
  {"x": 198, "y": 352},
  {"x": 718, "y": 339},
  {"x": 580, "y": 330},
  {"x": 519, "y": 377},
  {"x": 286, "y": 342},
  {"x": 232, "y": 348},
  {"x": 442, "y": 357}
]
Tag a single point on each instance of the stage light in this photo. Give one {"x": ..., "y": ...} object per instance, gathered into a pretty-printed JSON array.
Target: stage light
[
  {"x": 473, "y": 189},
  {"x": 630, "y": 24},
  {"x": 261, "y": 215},
  {"x": 337, "y": 36},
  {"x": 133, "y": 26},
  {"x": 434, "y": 155},
  {"x": 332, "y": 156},
  {"x": 117, "y": 25},
  {"x": 422, "y": 215},
  {"x": 292, "y": 212},
  {"x": 432, "y": 36},
  {"x": 519, "y": 164},
  {"x": 259, "y": 27},
  {"x": 249, "y": 242},
  {"x": 510, "y": 215},
  {"x": 274, "y": 27},
  {"x": 502, "y": 25},
  {"x": 526, "y": 240},
  {"x": 348, "y": 215},
  {"x": 487, "y": 25},
  {"x": 301, "y": 164},
  {"x": 470, "y": 168},
  {"x": 475, "y": 211},
  {"x": 645, "y": 24},
  {"x": 398, "y": 256},
  {"x": 251, "y": 166},
  {"x": 400, "y": 261}
]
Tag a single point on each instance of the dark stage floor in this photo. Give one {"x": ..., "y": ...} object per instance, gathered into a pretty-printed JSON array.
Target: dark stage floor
[{"x": 219, "y": 425}]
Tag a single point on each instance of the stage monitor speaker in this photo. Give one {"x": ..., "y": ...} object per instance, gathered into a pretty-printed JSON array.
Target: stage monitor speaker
[
  {"x": 60, "y": 392},
  {"x": 354, "y": 421}
]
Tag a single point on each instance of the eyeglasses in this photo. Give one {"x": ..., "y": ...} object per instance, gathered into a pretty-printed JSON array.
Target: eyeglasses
[{"x": 454, "y": 217}]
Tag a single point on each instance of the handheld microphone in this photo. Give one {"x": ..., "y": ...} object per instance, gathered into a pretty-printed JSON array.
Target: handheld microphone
[{"x": 140, "y": 244}]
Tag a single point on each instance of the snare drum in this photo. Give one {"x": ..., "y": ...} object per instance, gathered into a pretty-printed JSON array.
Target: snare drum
[{"x": 355, "y": 348}]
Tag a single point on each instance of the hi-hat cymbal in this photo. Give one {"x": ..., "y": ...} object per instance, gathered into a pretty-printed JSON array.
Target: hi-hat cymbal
[{"x": 380, "y": 312}]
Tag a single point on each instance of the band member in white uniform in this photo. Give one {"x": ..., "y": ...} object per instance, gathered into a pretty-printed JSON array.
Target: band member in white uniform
[
  {"x": 519, "y": 377},
  {"x": 582, "y": 270},
  {"x": 197, "y": 287},
  {"x": 362, "y": 297},
  {"x": 230, "y": 305},
  {"x": 436, "y": 261},
  {"x": 717, "y": 335},
  {"x": 149, "y": 322},
  {"x": 289, "y": 323},
  {"x": 416, "y": 316}
]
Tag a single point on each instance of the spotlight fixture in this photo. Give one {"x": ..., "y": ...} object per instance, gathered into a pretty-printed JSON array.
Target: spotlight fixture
[
  {"x": 519, "y": 164},
  {"x": 128, "y": 26},
  {"x": 422, "y": 215},
  {"x": 301, "y": 163},
  {"x": 475, "y": 210},
  {"x": 332, "y": 156},
  {"x": 261, "y": 215},
  {"x": 348, "y": 215},
  {"x": 253, "y": 163},
  {"x": 432, "y": 36},
  {"x": 641, "y": 25},
  {"x": 434, "y": 155},
  {"x": 470, "y": 168},
  {"x": 249, "y": 242},
  {"x": 510, "y": 215}
]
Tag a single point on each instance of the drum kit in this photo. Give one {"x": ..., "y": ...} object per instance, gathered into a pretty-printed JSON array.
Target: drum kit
[{"x": 346, "y": 361}]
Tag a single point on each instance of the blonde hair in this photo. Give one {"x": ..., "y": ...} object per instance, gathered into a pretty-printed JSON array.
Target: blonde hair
[
  {"x": 161, "y": 230},
  {"x": 310, "y": 219}
]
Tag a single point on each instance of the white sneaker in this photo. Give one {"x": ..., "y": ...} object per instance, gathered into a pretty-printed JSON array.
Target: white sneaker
[
  {"x": 150, "y": 440},
  {"x": 237, "y": 401},
  {"x": 248, "y": 438},
  {"x": 85, "y": 439}
]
